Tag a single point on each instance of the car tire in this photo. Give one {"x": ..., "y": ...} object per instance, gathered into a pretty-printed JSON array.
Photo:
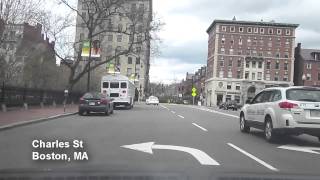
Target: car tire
[
  {"x": 243, "y": 125},
  {"x": 80, "y": 113},
  {"x": 107, "y": 112},
  {"x": 269, "y": 133}
]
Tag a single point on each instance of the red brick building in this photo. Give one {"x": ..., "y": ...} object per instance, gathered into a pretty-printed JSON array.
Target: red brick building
[
  {"x": 245, "y": 57},
  {"x": 307, "y": 67}
]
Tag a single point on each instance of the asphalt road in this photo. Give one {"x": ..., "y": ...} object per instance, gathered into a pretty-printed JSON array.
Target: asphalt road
[{"x": 213, "y": 132}]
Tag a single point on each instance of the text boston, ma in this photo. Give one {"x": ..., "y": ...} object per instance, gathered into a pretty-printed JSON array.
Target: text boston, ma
[{"x": 54, "y": 145}]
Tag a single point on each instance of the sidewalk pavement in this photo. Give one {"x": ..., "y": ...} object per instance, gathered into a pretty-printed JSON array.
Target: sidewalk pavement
[{"x": 17, "y": 117}]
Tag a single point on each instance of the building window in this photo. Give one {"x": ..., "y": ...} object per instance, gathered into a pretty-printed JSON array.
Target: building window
[
  {"x": 261, "y": 30},
  {"x": 270, "y": 31},
  {"x": 230, "y": 63},
  {"x": 277, "y": 65},
  {"x": 138, "y": 61},
  {"x": 229, "y": 86},
  {"x": 240, "y": 29},
  {"x": 269, "y": 54},
  {"x": 259, "y": 75},
  {"x": 239, "y": 63},
  {"x": 232, "y": 41},
  {"x": 222, "y": 50},
  {"x": 223, "y": 40},
  {"x": 277, "y": 54},
  {"x": 246, "y": 76},
  {"x": 232, "y": 29},
  {"x": 224, "y": 28},
  {"x": 110, "y": 37},
  {"x": 237, "y": 99},
  {"x": 276, "y": 78},
  {"x": 318, "y": 76},
  {"x": 254, "y": 64},
  {"x": 279, "y": 31},
  {"x": 231, "y": 51},
  {"x": 249, "y": 30},
  {"x": 119, "y": 38},
  {"x": 253, "y": 76},
  {"x": 268, "y": 77},
  {"x": 221, "y": 74},
  {"x": 238, "y": 87},
  {"x": 255, "y": 30},
  {"x": 309, "y": 66},
  {"x": 308, "y": 77},
  {"x": 286, "y": 65},
  {"x": 288, "y": 32},
  {"x": 259, "y": 64},
  {"x": 238, "y": 74},
  {"x": 221, "y": 63},
  {"x": 240, "y": 41},
  {"x": 247, "y": 64},
  {"x": 228, "y": 98},
  {"x": 286, "y": 55},
  {"x": 129, "y": 60},
  {"x": 285, "y": 78},
  {"x": 129, "y": 71},
  {"x": 229, "y": 74},
  {"x": 268, "y": 65}
]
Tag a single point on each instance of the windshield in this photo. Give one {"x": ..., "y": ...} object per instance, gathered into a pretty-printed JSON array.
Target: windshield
[
  {"x": 159, "y": 89},
  {"x": 312, "y": 95}
]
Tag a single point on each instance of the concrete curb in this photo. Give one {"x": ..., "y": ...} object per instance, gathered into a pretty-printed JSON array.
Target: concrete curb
[{"x": 23, "y": 123}]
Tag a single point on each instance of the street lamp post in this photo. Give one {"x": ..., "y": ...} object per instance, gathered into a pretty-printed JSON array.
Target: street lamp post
[{"x": 303, "y": 79}]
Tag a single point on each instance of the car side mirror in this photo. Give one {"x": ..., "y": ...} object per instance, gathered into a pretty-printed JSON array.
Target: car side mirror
[{"x": 248, "y": 101}]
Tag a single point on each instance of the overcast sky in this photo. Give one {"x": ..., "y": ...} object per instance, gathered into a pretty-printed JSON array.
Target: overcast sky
[{"x": 184, "y": 47}]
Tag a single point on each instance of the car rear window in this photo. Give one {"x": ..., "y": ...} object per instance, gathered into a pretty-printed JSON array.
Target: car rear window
[
  {"x": 114, "y": 85},
  {"x": 92, "y": 96},
  {"x": 123, "y": 85},
  {"x": 312, "y": 95}
]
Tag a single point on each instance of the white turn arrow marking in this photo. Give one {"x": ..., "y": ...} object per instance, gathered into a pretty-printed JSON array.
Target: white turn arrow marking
[
  {"x": 201, "y": 156},
  {"x": 312, "y": 150}
]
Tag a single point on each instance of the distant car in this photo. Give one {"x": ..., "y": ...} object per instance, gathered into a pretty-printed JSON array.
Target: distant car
[
  {"x": 283, "y": 111},
  {"x": 95, "y": 102},
  {"x": 232, "y": 105},
  {"x": 152, "y": 100},
  {"x": 222, "y": 106}
]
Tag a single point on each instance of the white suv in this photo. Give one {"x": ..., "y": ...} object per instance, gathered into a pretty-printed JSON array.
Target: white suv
[{"x": 282, "y": 111}]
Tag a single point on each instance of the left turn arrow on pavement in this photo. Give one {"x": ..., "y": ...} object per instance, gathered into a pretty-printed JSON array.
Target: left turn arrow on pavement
[{"x": 199, "y": 155}]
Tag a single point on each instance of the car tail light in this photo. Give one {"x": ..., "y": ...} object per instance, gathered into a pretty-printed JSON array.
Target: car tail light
[
  {"x": 104, "y": 101},
  {"x": 287, "y": 105},
  {"x": 82, "y": 101}
]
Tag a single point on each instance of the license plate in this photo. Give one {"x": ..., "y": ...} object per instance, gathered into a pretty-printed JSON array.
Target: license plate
[
  {"x": 92, "y": 103},
  {"x": 315, "y": 113}
]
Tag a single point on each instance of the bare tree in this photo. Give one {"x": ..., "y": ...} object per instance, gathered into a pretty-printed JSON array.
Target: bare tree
[{"x": 97, "y": 21}]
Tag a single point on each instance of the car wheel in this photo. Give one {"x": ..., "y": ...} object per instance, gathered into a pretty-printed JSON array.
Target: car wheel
[
  {"x": 81, "y": 113},
  {"x": 269, "y": 131},
  {"x": 243, "y": 125},
  {"x": 107, "y": 112}
]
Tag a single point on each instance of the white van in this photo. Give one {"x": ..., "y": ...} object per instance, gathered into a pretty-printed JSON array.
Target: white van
[{"x": 119, "y": 88}]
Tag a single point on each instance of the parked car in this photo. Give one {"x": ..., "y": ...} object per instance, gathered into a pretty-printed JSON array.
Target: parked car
[
  {"x": 222, "y": 106},
  {"x": 283, "y": 111},
  {"x": 231, "y": 105},
  {"x": 95, "y": 102},
  {"x": 152, "y": 100}
]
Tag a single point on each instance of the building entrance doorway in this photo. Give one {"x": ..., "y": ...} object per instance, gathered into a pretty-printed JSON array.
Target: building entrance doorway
[{"x": 219, "y": 99}]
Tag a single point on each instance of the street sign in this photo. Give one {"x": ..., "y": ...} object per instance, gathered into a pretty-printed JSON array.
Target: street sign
[
  {"x": 194, "y": 89},
  {"x": 202, "y": 157},
  {"x": 110, "y": 68},
  {"x": 95, "y": 49},
  {"x": 194, "y": 94}
]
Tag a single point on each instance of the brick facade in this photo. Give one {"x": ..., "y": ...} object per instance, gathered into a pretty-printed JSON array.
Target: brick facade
[{"x": 252, "y": 55}]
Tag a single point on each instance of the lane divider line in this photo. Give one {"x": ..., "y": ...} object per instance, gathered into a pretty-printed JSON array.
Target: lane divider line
[
  {"x": 181, "y": 116},
  {"x": 213, "y": 111},
  {"x": 202, "y": 128},
  {"x": 253, "y": 157},
  {"x": 173, "y": 112},
  {"x": 164, "y": 107}
]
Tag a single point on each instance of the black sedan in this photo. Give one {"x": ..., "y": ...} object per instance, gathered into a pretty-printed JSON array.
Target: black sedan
[{"x": 95, "y": 102}]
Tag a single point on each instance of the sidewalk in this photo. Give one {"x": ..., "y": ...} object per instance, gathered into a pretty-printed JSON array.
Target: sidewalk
[{"x": 18, "y": 116}]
